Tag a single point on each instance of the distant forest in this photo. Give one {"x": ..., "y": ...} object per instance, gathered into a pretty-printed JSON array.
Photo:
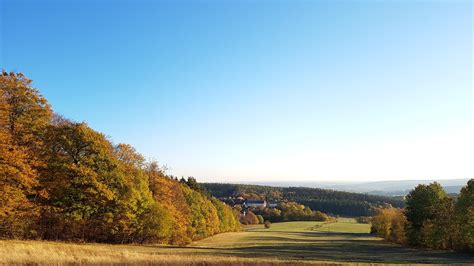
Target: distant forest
[{"x": 324, "y": 200}]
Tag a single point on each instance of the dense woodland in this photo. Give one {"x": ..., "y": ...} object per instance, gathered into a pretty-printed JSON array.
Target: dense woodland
[
  {"x": 431, "y": 219},
  {"x": 324, "y": 200},
  {"x": 62, "y": 180}
]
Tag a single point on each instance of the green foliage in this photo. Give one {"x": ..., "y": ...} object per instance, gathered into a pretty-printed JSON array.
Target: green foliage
[
  {"x": 421, "y": 208},
  {"x": 426, "y": 222},
  {"x": 156, "y": 225},
  {"x": 139, "y": 217},
  {"x": 228, "y": 218},
  {"x": 193, "y": 184},
  {"x": 170, "y": 195},
  {"x": 24, "y": 114},
  {"x": 204, "y": 218},
  {"x": 464, "y": 213},
  {"x": 83, "y": 182},
  {"x": 439, "y": 231}
]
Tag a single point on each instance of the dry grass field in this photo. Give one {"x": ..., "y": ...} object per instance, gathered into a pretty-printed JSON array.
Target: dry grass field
[
  {"x": 54, "y": 253},
  {"x": 292, "y": 243}
]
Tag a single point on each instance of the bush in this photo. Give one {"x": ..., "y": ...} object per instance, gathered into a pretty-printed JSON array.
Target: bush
[
  {"x": 267, "y": 224},
  {"x": 249, "y": 218},
  {"x": 260, "y": 219}
]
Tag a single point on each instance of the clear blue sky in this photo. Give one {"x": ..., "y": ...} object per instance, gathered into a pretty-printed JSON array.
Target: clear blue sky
[{"x": 260, "y": 90}]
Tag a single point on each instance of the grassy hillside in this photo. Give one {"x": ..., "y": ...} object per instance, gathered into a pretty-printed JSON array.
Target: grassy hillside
[
  {"x": 325, "y": 200},
  {"x": 290, "y": 243}
]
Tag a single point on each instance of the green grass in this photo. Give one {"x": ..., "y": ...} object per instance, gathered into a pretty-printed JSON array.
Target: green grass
[
  {"x": 295, "y": 242},
  {"x": 343, "y": 225},
  {"x": 344, "y": 241}
]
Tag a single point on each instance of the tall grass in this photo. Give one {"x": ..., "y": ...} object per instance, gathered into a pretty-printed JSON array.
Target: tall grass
[{"x": 56, "y": 253}]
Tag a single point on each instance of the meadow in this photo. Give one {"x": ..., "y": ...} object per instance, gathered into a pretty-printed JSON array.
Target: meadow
[{"x": 289, "y": 243}]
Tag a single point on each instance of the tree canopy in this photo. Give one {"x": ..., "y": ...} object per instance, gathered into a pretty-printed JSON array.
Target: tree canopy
[
  {"x": 431, "y": 219},
  {"x": 62, "y": 180}
]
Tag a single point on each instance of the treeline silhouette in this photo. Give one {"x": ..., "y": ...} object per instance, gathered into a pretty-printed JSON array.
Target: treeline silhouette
[
  {"x": 324, "y": 200},
  {"x": 62, "y": 180},
  {"x": 432, "y": 219}
]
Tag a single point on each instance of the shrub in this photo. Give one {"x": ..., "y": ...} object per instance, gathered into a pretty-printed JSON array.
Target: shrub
[
  {"x": 267, "y": 224},
  {"x": 249, "y": 218}
]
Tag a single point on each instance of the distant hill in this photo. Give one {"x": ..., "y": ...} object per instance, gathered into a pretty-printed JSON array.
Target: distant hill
[
  {"x": 380, "y": 188},
  {"x": 400, "y": 187},
  {"x": 325, "y": 200}
]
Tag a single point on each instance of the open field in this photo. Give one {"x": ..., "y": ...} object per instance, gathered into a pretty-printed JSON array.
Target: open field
[{"x": 296, "y": 243}]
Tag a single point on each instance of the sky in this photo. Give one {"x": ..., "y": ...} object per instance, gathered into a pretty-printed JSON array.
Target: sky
[{"x": 235, "y": 91}]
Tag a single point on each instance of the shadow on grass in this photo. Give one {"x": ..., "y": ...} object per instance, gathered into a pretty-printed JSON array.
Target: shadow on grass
[
  {"x": 347, "y": 250},
  {"x": 343, "y": 247}
]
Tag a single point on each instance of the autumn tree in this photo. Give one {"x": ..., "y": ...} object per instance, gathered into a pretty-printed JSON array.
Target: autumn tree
[
  {"x": 24, "y": 114},
  {"x": 319, "y": 216},
  {"x": 140, "y": 217},
  {"x": 155, "y": 173},
  {"x": 204, "y": 217},
  {"x": 28, "y": 113},
  {"x": 390, "y": 224},
  {"x": 82, "y": 183},
  {"x": 382, "y": 222},
  {"x": 168, "y": 192},
  {"x": 61, "y": 180},
  {"x": 398, "y": 232}
]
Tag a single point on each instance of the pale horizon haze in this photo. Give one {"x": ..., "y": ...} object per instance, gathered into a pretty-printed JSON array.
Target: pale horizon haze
[{"x": 260, "y": 91}]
